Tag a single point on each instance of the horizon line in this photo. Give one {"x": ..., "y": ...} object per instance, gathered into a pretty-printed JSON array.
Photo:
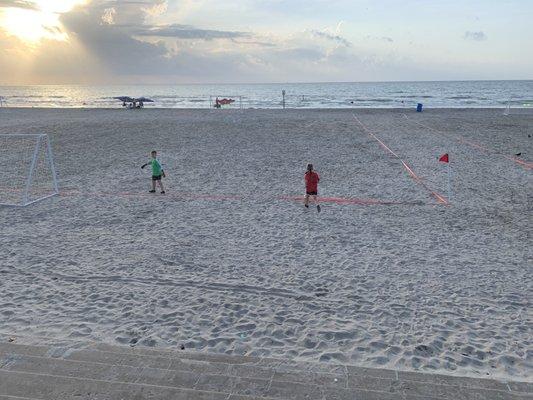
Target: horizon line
[{"x": 265, "y": 83}]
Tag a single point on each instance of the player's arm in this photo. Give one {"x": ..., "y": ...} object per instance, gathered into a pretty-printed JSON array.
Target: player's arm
[{"x": 144, "y": 165}]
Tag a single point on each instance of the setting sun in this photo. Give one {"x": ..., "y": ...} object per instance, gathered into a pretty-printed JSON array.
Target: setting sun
[{"x": 33, "y": 25}]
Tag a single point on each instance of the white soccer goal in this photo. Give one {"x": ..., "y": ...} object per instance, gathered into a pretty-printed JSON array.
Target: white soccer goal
[
  {"x": 225, "y": 102},
  {"x": 27, "y": 172}
]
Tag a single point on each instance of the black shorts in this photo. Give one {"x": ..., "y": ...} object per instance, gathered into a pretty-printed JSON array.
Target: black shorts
[
  {"x": 156, "y": 177},
  {"x": 311, "y": 193}
]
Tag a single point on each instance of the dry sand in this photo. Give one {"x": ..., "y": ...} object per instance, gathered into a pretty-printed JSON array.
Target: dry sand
[{"x": 386, "y": 276}]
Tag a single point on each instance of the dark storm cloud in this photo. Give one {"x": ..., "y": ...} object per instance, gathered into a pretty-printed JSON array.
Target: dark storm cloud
[
  {"x": 29, "y": 5},
  {"x": 187, "y": 32},
  {"x": 115, "y": 48},
  {"x": 119, "y": 49}
]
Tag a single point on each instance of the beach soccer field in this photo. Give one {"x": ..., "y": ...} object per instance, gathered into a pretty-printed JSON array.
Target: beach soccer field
[{"x": 412, "y": 263}]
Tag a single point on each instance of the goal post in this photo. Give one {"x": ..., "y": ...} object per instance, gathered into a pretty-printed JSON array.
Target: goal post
[
  {"x": 27, "y": 170},
  {"x": 225, "y": 102}
]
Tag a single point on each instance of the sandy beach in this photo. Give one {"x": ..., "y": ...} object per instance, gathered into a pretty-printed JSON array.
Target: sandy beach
[{"x": 394, "y": 272}]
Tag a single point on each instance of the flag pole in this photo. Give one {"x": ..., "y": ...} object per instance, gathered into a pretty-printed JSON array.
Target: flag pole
[
  {"x": 446, "y": 159},
  {"x": 449, "y": 182}
]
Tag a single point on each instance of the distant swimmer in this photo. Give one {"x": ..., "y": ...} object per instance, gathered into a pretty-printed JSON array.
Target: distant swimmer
[
  {"x": 157, "y": 172},
  {"x": 311, "y": 186}
]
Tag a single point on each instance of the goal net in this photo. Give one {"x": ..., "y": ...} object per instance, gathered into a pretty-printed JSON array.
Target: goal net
[
  {"x": 27, "y": 172},
  {"x": 225, "y": 102}
]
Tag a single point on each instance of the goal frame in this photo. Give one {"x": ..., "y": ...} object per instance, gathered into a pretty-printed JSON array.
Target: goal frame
[
  {"x": 237, "y": 98},
  {"x": 40, "y": 138}
]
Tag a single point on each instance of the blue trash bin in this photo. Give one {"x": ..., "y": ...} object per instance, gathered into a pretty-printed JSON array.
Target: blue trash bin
[{"x": 419, "y": 107}]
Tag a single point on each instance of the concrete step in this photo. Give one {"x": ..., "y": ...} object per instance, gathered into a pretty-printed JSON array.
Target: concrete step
[
  {"x": 17, "y": 398},
  {"x": 140, "y": 371},
  {"x": 49, "y": 387}
]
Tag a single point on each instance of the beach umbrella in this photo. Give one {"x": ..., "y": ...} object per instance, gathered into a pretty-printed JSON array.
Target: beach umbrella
[
  {"x": 226, "y": 101},
  {"x": 124, "y": 99}
]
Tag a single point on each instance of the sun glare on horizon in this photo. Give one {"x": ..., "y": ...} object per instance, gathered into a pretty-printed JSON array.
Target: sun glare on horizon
[{"x": 33, "y": 25}]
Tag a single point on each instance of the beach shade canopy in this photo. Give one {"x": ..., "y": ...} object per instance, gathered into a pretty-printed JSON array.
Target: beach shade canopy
[
  {"x": 144, "y": 100},
  {"x": 225, "y": 101},
  {"x": 125, "y": 99}
]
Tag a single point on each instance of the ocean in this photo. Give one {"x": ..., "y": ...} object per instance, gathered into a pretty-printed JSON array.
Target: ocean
[{"x": 469, "y": 94}]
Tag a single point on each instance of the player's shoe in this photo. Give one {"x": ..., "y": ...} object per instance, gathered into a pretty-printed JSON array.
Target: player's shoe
[
  {"x": 162, "y": 192},
  {"x": 151, "y": 191},
  {"x": 318, "y": 208}
]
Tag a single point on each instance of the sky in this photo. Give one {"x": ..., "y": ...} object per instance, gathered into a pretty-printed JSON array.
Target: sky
[{"x": 248, "y": 41}]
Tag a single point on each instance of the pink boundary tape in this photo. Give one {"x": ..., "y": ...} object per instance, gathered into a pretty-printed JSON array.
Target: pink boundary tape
[
  {"x": 484, "y": 149},
  {"x": 440, "y": 199},
  {"x": 353, "y": 200}
]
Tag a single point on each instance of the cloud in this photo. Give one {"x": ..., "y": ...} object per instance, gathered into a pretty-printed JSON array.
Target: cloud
[
  {"x": 387, "y": 39},
  {"x": 187, "y": 32},
  {"x": 476, "y": 36},
  {"x": 29, "y": 5},
  {"x": 108, "y": 16},
  {"x": 148, "y": 41},
  {"x": 158, "y": 8},
  {"x": 335, "y": 38}
]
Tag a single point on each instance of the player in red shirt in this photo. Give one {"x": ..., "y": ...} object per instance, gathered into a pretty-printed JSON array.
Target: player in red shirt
[{"x": 311, "y": 186}]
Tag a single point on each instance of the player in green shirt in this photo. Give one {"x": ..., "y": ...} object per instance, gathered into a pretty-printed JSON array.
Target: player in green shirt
[{"x": 157, "y": 172}]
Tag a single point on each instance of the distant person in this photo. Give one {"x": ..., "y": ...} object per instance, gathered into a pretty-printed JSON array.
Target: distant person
[
  {"x": 311, "y": 186},
  {"x": 157, "y": 172}
]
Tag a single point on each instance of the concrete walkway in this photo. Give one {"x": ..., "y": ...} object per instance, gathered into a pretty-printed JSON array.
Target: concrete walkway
[{"x": 81, "y": 371}]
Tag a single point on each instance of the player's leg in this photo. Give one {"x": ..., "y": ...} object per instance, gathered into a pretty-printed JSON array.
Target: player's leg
[
  {"x": 315, "y": 201},
  {"x": 306, "y": 201},
  {"x": 153, "y": 185},
  {"x": 161, "y": 186}
]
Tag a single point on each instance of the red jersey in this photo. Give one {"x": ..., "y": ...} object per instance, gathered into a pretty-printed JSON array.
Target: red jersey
[{"x": 311, "y": 181}]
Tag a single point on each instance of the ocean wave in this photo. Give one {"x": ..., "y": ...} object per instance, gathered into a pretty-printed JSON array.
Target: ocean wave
[{"x": 372, "y": 100}]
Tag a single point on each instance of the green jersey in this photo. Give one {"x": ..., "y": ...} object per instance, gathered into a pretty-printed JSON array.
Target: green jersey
[{"x": 157, "y": 169}]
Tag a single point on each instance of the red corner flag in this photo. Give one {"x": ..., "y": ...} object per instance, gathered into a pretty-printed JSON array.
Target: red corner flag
[{"x": 444, "y": 158}]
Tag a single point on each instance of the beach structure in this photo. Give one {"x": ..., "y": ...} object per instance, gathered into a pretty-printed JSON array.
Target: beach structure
[
  {"x": 27, "y": 171},
  {"x": 132, "y": 102},
  {"x": 507, "y": 110},
  {"x": 225, "y": 102}
]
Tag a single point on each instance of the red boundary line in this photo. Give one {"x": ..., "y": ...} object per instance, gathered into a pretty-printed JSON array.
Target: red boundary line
[
  {"x": 353, "y": 200},
  {"x": 486, "y": 150},
  {"x": 440, "y": 199}
]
